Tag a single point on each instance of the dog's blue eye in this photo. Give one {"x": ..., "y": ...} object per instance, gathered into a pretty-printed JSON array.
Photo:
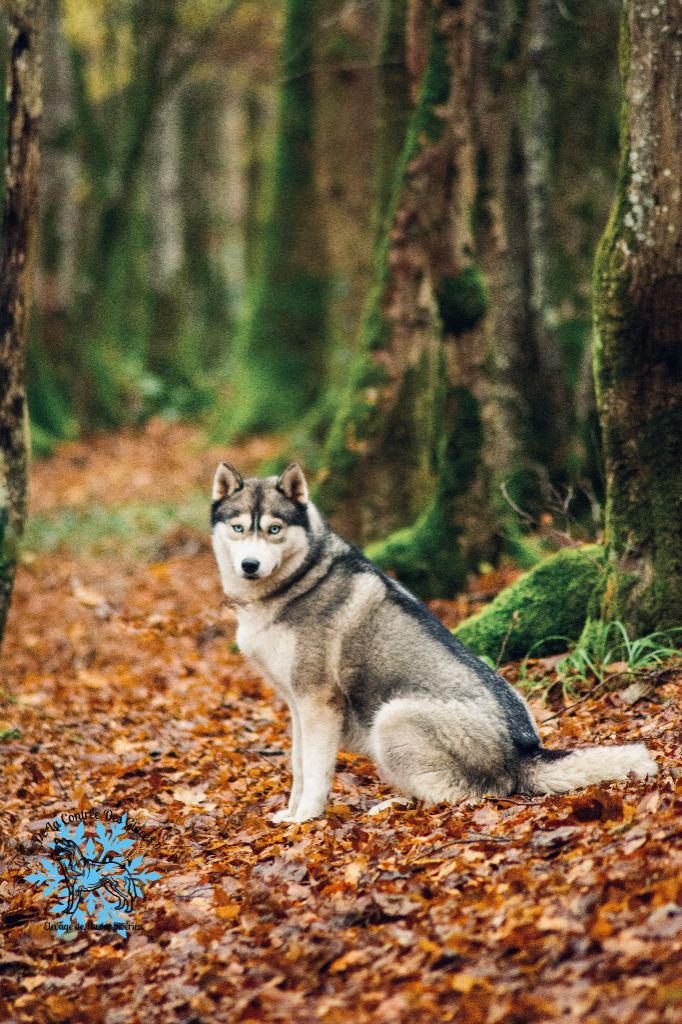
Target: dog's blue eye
[
  {"x": 237, "y": 527},
  {"x": 272, "y": 530}
]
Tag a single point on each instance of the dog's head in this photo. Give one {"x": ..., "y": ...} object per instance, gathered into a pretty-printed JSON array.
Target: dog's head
[{"x": 260, "y": 527}]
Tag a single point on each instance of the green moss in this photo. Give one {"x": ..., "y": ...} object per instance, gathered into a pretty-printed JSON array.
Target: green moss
[
  {"x": 351, "y": 426},
  {"x": 426, "y": 556},
  {"x": 549, "y": 602},
  {"x": 435, "y": 91},
  {"x": 463, "y": 300}
]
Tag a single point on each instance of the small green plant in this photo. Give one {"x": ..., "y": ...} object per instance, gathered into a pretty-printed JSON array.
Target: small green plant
[
  {"x": 610, "y": 651},
  {"x": 608, "y": 654}
]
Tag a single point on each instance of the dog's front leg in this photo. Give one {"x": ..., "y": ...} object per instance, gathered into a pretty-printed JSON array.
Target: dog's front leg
[
  {"x": 296, "y": 769},
  {"x": 320, "y": 734}
]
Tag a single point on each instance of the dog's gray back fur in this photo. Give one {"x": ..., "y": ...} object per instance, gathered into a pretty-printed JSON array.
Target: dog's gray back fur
[{"x": 364, "y": 664}]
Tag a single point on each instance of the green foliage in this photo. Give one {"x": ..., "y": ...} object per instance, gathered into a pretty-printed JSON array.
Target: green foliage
[
  {"x": 463, "y": 300},
  {"x": 542, "y": 610},
  {"x": 608, "y": 651}
]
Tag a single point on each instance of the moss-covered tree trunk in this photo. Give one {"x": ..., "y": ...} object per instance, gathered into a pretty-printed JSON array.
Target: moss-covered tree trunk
[
  {"x": 281, "y": 359},
  {"x": 405, "y": 444},
  {"x": 379, "y": 464},
  {"x": 20, "y": 207},
  {"x": 638, "y": 330}
]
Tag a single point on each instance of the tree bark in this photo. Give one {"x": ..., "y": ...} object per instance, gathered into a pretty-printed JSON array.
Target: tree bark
[
  {"x": 408, "y": 434},
  {"x": 638, "y": 330},
  {"x": 21, "y": 198}
]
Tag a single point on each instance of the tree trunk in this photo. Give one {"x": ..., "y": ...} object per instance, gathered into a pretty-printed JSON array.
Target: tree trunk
[
  {"x": 282, "y": 355},
  {"x": 502, "y": 236},
  {"x": 394, "y": 104},
  {"x": 21, "y": 198},
  {"x": 408, "y": 434},
  {"x": 638, "y": 330},
  {"x": 546, "y": 386},
  {"x": 380, "y": 445},
  {"x": 584, "y": 114},
  {"x": 345, "y": 98},
  {"x": 59, "y": 238},
  {"x": 167, "y": 358}
]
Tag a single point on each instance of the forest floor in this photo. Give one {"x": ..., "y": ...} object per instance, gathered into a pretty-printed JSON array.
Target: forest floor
[{"x": 123, "y": 692}]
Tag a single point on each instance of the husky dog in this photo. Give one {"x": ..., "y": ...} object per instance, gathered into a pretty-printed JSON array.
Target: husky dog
[{"x": 364, "y": 665}]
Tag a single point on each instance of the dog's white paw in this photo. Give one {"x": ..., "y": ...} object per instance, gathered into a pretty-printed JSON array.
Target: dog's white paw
[
  {"x": 280, "y": 816},
  {"x": 298, "y": 816},
  {"x": 393, "y": 801}
]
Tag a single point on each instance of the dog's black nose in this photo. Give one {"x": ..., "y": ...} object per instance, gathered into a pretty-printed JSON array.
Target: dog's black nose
[{"x": 250, "y": 566}]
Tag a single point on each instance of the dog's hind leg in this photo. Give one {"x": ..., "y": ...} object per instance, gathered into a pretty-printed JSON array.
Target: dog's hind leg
[{"x": 444, "y": 751}]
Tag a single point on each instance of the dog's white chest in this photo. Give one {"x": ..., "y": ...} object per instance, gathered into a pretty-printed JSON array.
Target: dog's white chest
[{"x": 271, "y": 646}]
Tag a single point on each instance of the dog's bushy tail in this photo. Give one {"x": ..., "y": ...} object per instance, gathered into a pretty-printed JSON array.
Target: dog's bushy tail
[{"x": 559, "y": 771}]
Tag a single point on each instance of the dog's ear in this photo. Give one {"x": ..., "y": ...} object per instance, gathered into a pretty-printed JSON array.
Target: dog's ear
[
  {"x": 292, "y": 484},
  {"x": 227, "y": 481}
]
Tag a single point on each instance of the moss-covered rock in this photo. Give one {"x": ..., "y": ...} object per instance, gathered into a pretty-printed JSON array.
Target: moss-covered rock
[{"x": 543, "y": 610}]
